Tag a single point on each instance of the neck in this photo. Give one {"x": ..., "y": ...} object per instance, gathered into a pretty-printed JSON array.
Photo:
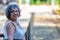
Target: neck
[{"x": 12, "y": 20}]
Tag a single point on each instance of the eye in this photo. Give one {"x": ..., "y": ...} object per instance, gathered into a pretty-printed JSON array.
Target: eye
[
  {"x": 16, "y": 11},
  {"x": 13, "y": 11}
]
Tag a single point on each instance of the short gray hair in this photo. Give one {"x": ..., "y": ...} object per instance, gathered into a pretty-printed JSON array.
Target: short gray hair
[{"x": 9, "y": 8}]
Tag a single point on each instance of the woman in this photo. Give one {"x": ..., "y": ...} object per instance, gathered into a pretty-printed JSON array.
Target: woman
[{"x": 12, "y": 28}]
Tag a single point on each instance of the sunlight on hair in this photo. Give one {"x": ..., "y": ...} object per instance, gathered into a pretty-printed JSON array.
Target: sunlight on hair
[{"x": 13, "y": 3}]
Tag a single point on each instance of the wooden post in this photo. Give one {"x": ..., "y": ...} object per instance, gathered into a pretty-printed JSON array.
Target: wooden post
[
  {"x": 58, "y": 11},
  {"x": 19, "y": 2}
]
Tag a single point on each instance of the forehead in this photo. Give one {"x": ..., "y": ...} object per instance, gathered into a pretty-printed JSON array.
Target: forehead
[{"x": 14, "y": 9}]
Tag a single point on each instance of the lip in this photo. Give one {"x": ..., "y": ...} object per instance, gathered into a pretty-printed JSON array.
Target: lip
[{"x": 14, "y": 15}]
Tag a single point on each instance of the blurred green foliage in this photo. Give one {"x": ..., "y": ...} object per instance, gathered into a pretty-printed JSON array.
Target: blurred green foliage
[
  {"x": 57, "y": 2},
  {"x": 23, "y": 1},
  {"x": 39, "y": 2}
]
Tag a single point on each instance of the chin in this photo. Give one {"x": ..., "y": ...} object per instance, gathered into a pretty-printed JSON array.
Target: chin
[{"x": 14, "y": 19}]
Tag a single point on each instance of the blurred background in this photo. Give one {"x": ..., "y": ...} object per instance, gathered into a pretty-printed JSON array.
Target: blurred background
[{"x": 40, "y": 18}]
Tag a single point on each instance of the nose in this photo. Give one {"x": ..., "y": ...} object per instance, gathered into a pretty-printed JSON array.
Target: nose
[{"x": 15, "y": 13}]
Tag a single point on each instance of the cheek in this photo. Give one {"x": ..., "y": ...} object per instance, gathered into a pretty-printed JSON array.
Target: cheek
[
  {"x": 18, "y": 14},
  {"x": 11, "y": 15}
]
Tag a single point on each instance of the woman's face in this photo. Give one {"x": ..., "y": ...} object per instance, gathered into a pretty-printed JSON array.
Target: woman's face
[{"x": 14, "y": 14}]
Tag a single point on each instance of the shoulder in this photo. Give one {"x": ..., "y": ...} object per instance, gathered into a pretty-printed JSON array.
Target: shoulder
[
  {"x": 10, "y": 29},
  {"x": 10, "y": 25}
]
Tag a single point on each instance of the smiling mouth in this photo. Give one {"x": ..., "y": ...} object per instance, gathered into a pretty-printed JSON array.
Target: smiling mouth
[{"x": 14, "y": 15}]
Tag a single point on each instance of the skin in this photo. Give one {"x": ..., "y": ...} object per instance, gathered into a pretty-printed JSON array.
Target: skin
[
  {"x": 14, "y": 15},
  {"x": 10, "y": 27}
]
